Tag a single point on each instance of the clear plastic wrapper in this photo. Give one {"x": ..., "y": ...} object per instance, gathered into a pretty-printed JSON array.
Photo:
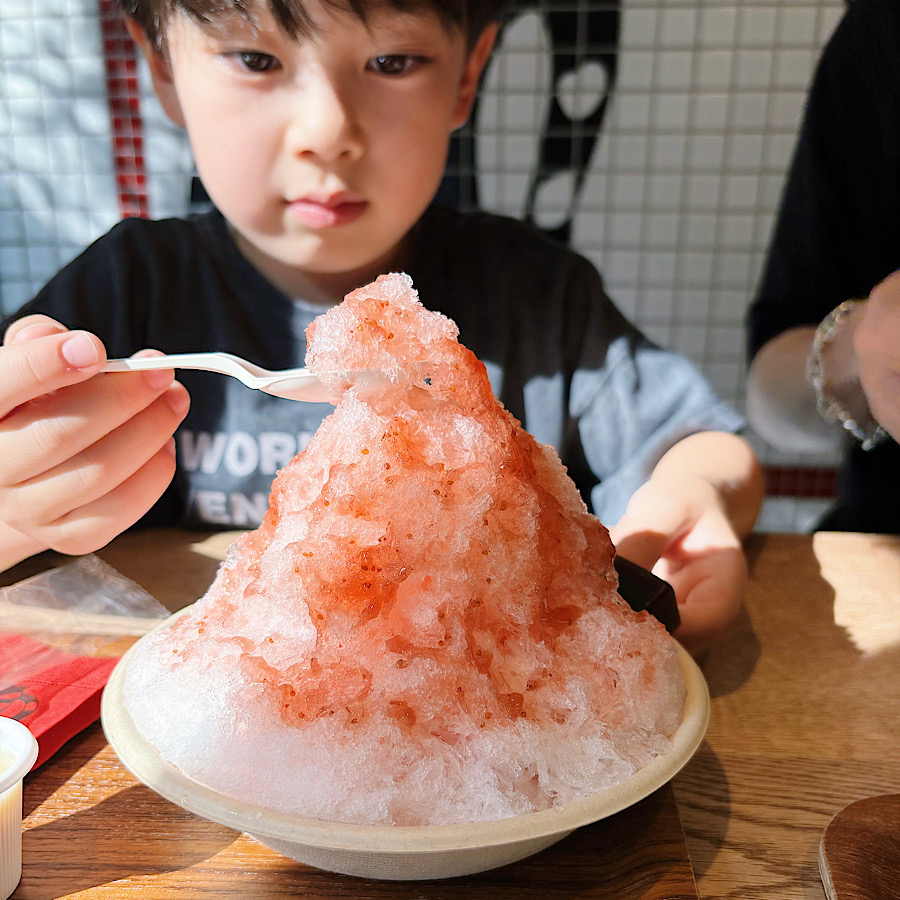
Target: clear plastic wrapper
[
  {"x": 61, "y": 633},
  {"x": 87, "y": 601}
]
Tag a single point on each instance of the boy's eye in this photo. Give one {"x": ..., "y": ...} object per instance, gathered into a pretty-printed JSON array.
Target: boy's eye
[
  {"x": 394, "y": 64},
  {"x": 254, "y": 61}
]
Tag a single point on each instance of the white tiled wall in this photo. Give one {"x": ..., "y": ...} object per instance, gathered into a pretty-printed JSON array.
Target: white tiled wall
[
  {"x": 56, "y": 185},
  {"x": 678, "y": 205},
  {"x": 675, "y": 209}
]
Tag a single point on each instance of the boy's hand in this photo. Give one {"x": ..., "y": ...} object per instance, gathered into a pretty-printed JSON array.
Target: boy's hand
[
  {"x": 82, "y": 458},
  {"x": 677, "y": 527}
]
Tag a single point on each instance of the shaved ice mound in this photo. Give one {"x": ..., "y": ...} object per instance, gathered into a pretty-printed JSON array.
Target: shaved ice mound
[{"x": 425, "y": 628}]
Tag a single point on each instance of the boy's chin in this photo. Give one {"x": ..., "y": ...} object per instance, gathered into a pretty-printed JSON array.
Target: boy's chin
[
  {"x": 359, "y": 267},
  {"x": 311, "y": 266},
  {"x": 321, "y": 283}
]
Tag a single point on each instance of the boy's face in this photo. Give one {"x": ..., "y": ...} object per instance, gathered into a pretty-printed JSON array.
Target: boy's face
[{"x": 321, "y": 153}]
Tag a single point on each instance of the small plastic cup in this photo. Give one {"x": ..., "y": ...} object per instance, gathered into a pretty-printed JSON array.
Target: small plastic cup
[{"x": 18, "y": 751}]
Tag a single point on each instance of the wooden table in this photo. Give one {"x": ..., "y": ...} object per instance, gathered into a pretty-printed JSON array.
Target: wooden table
[
  {"x": 805, "y": 719},
  {"x": 805, "y": 714}
]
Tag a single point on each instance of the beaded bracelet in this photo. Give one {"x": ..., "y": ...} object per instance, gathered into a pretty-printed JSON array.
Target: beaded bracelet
[{"x": 869, "y": 434}]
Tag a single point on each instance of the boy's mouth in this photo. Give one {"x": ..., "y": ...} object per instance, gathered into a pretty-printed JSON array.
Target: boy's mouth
[{"x": 327, "y": 212}]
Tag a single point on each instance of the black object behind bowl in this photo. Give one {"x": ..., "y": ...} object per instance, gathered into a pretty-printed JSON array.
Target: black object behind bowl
[{"x": 641, "y": 589}]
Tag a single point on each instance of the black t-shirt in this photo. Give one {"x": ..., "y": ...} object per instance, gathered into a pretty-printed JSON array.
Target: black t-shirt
[
  {"x": 559, "y": 354},
  {"x": 838, "y": 230}
]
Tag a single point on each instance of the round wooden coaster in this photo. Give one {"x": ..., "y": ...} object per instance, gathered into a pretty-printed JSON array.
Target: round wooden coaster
[{"x": 859, "y": 854}]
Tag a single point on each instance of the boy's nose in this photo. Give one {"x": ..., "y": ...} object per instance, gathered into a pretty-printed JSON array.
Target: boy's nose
[{"x": 324, "y": 125}]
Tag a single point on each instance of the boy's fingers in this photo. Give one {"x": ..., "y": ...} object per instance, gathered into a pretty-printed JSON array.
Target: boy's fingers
[
  {"x": 104, "y": 465},
  {"x": 708, "y": 601},
  {"x": 87, "y": 457},
  {"x": 643, "y": 548},
  {"x": 95, "y": 524},
  {"x": 40, "y": 436},
  {"x": 43, "y": 506},
  {"x": 31, "y": 368},
  {"x": 30, "y": 327},
  {"x": 652, "y": 521}
]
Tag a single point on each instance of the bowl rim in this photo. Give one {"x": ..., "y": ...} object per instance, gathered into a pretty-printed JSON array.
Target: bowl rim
[
  {"x": 141, "y": 758},
  {"x": 16, "y": 739}
]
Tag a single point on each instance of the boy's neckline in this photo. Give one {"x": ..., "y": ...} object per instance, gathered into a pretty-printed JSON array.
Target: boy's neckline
[{"x": 320, "y": 290}]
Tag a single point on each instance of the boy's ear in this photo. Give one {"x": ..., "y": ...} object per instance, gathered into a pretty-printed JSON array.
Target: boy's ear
[
  {"x": 160, "y": 73},
  {"x": 471, "y": 74}
]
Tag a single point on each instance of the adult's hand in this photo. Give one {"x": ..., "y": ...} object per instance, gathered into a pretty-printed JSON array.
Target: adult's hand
[{"x": 876, "y": 341}]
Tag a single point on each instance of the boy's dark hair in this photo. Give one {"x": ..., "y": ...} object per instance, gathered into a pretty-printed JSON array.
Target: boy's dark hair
[{"x": 471, "y": 16}]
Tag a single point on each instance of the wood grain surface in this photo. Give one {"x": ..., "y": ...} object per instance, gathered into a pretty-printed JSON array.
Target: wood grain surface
[
  {"x": 92, "y": 830},
  {"x": 805, "y": 714},
  {"x": 805, "y": 720}
]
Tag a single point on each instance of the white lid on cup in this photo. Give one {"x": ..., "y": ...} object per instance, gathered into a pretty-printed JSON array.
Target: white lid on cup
[
  {"x": 16, "y": 741},
  {"x": 19, "y": 742}
]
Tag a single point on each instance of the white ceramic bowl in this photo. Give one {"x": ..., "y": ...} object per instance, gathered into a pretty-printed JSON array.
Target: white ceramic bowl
[
  {"x": 18, "y": 745},
  {"x": 401, "y": 852}
]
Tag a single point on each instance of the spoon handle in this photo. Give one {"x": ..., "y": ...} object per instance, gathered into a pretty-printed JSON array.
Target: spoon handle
[{"x": 292, "y": 384}]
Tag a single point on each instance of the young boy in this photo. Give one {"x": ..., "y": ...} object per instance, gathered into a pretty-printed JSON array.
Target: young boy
[{"x": 320, "y": 130}]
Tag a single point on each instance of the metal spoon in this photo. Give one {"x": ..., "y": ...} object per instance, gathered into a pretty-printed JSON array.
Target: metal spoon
[{"x": 292, "y": 384}]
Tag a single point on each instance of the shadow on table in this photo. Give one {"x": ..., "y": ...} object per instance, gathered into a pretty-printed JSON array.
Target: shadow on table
[
  {"x": 44, "y": 781},
  {"x": 705, "y": 808},
  {"x": 774, "y": 561},
  {"x": 86, "y": 852},
  {"x": 732, "y": 659},
  {"x": 638, "y": 854}
]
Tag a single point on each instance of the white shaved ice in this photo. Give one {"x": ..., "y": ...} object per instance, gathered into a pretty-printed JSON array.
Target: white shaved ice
[{"x": 425, "y": 629}]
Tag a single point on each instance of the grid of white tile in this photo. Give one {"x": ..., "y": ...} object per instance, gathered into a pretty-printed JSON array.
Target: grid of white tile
[
  {"x": 57, "y": 189},
  {"x": 675, "y": 207},
  {"x": 679, "y": 201}
]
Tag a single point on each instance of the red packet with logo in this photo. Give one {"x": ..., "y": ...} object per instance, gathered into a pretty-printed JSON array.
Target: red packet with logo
[{"x": 54, "y": 693}]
